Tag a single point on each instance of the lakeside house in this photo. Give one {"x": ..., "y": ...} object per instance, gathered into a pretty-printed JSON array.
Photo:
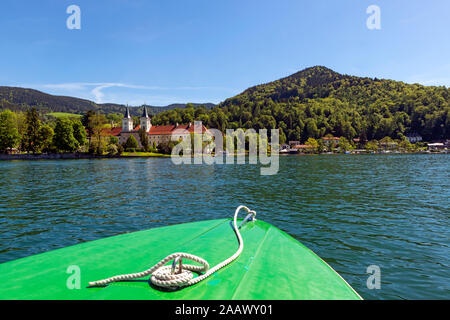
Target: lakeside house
[
  {"x": 388, "y": 146},
  {"x": 293, "y": 143},
  {"x": 414, "y": 137},
  {"x": 436, "y": 146},
  {"x": 330, "y": 141},
  {"x": 156, "y": 134},
  {"x": 12, "y": 151},
  {"x": 303, "y": 148}
]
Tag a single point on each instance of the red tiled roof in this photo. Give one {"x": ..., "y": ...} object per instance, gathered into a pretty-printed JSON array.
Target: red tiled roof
[
  {"x": 166, "y": 130},
  {"x": 302, "y": 146},
  {"x": 111, "y": 132},
  {"x": 330, "y": 138},
  {"x": 155, "y": 130}
]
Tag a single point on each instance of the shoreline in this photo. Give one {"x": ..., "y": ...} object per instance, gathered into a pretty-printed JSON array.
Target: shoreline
[
  {"x": 81, "y": 156},
  {"x": 72, "y": 156}
]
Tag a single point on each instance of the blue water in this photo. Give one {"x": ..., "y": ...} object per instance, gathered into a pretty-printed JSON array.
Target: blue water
[{"x": 352, "y": 210}]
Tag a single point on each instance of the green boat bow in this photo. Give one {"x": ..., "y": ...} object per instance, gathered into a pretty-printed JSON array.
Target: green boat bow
[{"x": 272, "y": 265}]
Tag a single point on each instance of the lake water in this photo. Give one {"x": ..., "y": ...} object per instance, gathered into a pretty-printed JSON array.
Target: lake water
[{"x": 352, "y": 210}]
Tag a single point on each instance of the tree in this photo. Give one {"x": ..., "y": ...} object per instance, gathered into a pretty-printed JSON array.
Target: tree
[
  {"x": 313, "y": 143},
  {"x": 405, "y": 145},
  {"x": 113, "y": 140},
  {"x": 145, "y": 142},
  {"x": 79, "y": 132},
  {"x": 88, "y": 123},
  {"x": 131, "y": 144},
  {"x": 64, "y": 139},
  {"x": 45, "y": 135},
  {"x": 311, "y": 128},
  {"x": 96, "y": 141},
  {"x": 372, "y": 145},
  {"x": 33, "y": 124},
  {"x": 9, "y": 135},
  {"x": 166, "y": 147},
  {"x": 112, "y": 149},
  {"x": 344, "y": 144}
]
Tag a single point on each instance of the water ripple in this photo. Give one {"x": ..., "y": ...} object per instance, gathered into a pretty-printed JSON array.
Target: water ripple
[{"x": 353, "y": 211}]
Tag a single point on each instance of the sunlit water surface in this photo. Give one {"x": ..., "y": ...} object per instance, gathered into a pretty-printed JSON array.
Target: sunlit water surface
[{"x": 353, "y": 211}]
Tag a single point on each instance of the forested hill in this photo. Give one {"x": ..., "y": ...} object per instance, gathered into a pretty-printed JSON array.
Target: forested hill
[
  {"x": 318, "y": 101},
  {"x": 308, "y": 104},
  {"x": 21, "y": 99}
]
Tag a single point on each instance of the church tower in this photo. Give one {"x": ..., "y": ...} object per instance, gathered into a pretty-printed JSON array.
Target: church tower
[
  {"x": 146, "y": 123},
  {"x": 127, "y": 122}
]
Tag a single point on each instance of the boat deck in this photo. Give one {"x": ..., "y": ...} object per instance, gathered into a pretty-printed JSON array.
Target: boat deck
[{"x": 273, "y": 265}]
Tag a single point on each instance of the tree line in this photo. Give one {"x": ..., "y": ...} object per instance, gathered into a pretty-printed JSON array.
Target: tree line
[
  {"x": 26, "y": 132},
  {"x": 318, "y": 101}
]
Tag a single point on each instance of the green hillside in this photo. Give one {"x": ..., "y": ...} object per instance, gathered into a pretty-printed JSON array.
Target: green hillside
[
  {"x": 308, "y": 104},
  {"x": 21, "y": 99},
  {"x": 318, "y": 101}
]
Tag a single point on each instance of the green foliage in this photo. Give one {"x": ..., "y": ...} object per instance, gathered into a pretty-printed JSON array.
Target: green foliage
[
  {"x": 45, "y": 138},
  {"x": 372, "y": 145},
  {"x": 64, "y": 115},
  {"x": 318, "y": 101},
  {"x": 112, "y": 149},
  {"x": 88, "y": 123},
  {"x": 405, "y": 145},
  {"x": 344, "y": 144},
  {"x": 31, "y": 137},
  {"x": 166, "y": 147},
  {"x": 145, "y": 141},
  {"x": 95, "y": 123},
  {"x": 113, "y": 140},
  {"x": 79, "y": 132},
  {"x": 64, "y": 139},
  {"x": 9, "y": 135},
  {"x": 308, "y": 104},
  {"x": 312, "y": 142},
  {"x": 120, "y": 149},
  {"x": 131, "y": 143}
]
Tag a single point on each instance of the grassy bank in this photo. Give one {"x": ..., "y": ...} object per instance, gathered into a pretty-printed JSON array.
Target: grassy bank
[
  {"x": 60, "y": 115},
  {"x": 145, "y": 154}
]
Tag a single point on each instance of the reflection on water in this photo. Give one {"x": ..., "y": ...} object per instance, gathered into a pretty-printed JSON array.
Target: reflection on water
[{"x": 353, "y": 211}]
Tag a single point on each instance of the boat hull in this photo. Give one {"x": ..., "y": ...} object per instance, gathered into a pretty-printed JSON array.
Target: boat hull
[{"x": 272, "y": 266}]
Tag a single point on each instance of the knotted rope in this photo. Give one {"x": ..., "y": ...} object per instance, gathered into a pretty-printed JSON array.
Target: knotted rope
[{"x": 166, "y": 277}]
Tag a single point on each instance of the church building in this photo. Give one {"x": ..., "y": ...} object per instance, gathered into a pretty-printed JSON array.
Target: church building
[{"x": 156, "y": 134}]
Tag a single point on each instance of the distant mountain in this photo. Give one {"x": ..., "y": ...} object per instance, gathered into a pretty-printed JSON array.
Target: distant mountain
[
  {"x": 15, "y": 98},
  {"x": 308, "y": 104},
  {"x": 318, "y": 101},
  {"x": 320, "y": 82}
]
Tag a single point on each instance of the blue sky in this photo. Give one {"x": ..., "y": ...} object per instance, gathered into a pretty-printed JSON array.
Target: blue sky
[{"x": 162, "y": 52}]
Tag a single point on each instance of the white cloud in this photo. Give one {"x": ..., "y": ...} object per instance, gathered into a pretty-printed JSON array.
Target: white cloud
[{"x": 102, "y": 92}]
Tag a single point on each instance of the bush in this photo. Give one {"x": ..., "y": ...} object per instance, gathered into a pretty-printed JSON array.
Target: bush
[
  {"x": 112, "y": 149},
  {"x": 166, "y": 147},
  {"x": 131, "y": 144},
  {"x": 96, "y": 148}
]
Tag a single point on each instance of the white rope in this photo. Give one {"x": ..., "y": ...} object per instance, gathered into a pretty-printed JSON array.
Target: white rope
[{"x": 164, "y": 276}]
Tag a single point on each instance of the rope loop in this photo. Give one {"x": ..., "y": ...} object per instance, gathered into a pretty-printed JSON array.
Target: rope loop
[{"x": 167, "y": 276}]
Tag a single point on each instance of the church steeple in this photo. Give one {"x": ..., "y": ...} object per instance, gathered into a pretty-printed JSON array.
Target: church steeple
[
  {"x": 127, "y": 113},
  {"x": 146, "y": 122},
  {"x": 127, "y": 121},
  {"x": 145, "y": 114}
]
